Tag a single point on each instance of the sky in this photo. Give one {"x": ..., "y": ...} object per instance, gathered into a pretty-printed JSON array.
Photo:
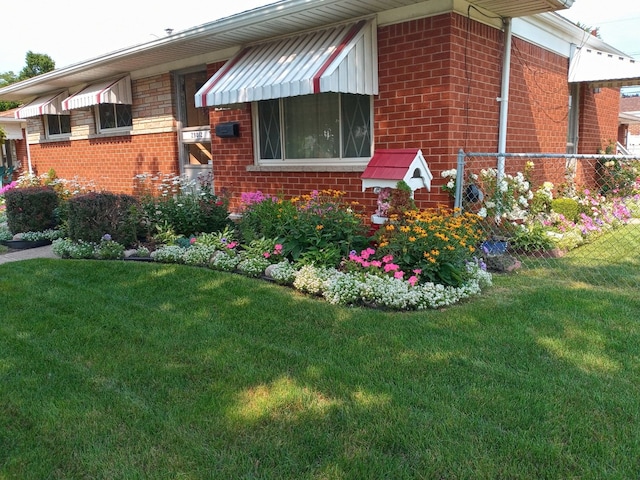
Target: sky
[{"x": 70, "y": 32}]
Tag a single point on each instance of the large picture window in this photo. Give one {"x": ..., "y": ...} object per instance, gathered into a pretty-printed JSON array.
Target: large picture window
[
  {"x": 58, "y": 125},
  {"x": 326, "y": 126},
  {"x": 114, "y": 116}
]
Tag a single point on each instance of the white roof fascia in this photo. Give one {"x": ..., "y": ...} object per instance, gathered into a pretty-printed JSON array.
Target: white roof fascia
[{"x": 555, "y": 33}]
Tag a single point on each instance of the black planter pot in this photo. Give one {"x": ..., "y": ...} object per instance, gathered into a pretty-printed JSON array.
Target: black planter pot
[
  {"x": 139, "y": 259},
  {"x": 24, "y": 244}
]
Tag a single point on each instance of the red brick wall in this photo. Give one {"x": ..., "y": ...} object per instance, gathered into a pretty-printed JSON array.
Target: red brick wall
[
  {"x": 599, "y": 112},
  {"x": 111, "y": 162}
]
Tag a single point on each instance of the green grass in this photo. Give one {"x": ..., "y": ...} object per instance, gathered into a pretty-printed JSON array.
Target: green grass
[{"x": 130, "y": 370}]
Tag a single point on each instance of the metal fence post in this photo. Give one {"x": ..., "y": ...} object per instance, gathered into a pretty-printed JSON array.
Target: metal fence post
[{"x": 459, "y": 181}]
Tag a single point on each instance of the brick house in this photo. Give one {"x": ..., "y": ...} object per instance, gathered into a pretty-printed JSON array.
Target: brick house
[{"x": 301, "y": 94}]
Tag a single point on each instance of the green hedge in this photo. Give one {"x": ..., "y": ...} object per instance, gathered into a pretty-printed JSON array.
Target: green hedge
[
  {"x": 92, "y": 216},
  {"x": 31, "y": 209}
]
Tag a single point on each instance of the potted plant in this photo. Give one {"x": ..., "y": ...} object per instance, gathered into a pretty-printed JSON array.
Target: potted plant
[{"x": 380, "y": 217}]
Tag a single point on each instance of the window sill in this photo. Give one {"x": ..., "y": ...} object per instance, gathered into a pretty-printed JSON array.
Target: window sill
[{"x": 306, "y": 168}]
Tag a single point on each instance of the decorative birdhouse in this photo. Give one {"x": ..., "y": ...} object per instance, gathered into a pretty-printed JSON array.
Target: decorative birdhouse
[{"x": 387, "y": 167}]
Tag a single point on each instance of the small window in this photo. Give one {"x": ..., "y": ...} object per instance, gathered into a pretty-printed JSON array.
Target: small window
[
  {"x": 8, "y": 154},
  {"x": 114, "y": 116},
  {"x": 326, "y": 128},
  {"x": 58, "y": 125}
]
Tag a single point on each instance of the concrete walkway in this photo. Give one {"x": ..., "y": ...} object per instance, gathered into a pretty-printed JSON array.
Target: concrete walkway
[{"x": 26, "y": 254}]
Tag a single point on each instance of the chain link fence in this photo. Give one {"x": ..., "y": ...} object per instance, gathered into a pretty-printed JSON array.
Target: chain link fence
[{"x": 578, "y": 215}]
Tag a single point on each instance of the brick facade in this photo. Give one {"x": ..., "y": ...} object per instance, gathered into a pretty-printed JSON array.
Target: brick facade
[
  {"x": 599, "y": 111},
  {"x": 439, "y": 83},
  {"x": 111, "y": 162}
]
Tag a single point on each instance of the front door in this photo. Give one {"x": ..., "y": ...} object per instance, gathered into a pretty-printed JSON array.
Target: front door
[{"x": 194, "y": 131}]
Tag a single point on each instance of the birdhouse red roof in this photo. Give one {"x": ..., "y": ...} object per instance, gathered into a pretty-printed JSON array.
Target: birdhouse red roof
[{"x": 387, "y": 167}]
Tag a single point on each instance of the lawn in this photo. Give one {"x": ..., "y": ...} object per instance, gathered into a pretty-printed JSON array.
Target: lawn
[{"x": 112, "y": 369}]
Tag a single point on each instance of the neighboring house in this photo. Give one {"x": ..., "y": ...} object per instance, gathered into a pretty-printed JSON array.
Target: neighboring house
[
  {"x": 629, "y": 129},
  {"x": 13, "y": 147},
  {"x": 301, "y": 94}
]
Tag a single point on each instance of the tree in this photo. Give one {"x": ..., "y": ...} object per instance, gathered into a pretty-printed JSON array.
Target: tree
[
  {"x": 7, "y": 78},
  {"x": 36, "y": 64}
]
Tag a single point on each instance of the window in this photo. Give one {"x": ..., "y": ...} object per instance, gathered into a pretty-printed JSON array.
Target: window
[
  {"x": 114, "y": 116},
  {"x": 8, "y": 154},
  {"x": 58, "y": 125},
  {"x": 307, "y": 128}
]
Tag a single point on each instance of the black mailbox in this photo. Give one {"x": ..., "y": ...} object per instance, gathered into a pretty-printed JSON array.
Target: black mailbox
[{"x": 228, "y": 130}]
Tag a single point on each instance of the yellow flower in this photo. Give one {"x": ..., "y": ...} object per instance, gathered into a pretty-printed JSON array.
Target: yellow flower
[
  {"x": 319, "y": 227},
  {"x": 412, "y": 239}
]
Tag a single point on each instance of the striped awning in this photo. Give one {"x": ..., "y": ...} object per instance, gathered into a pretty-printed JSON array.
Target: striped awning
[
  {"x": 603, "y": 69},
  {"x": 109, "y": 91},
  {"x": 45, "y": 105},
  {"x": 338, "y": 59}
]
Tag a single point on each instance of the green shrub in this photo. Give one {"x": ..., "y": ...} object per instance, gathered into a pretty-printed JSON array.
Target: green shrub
[
  {"x": 617, "y": 177},
  {"x": 531, "y": 237},
  {"x": 189, "y": 214},
  {"x": 5, "y": 233},
  {"x": 320, "y": 224},
  {"x": 263, "y": 216},
  {"x": 94, "y": 215},
  {"x": 31, "y": 209},
  {"x": 567, "y": 207}
]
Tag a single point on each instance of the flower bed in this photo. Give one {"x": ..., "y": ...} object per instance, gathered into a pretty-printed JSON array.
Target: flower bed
[
  {"x": 318, "y": 244},
  {"x": 550, "y": 218}
]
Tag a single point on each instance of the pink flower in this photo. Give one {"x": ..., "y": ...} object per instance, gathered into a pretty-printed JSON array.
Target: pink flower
[
  {"x": 266, "y": 254},
  {"x": 387, "y": 258},
  {"x": 390, "y": 267},
  {"x": 232, "y": 245},
  {"x": 278, "y": 248},
  {"x": 376, "y": 263},
  {"x": 367, "y": 253},
  {"x": 417, "y": 271},
  {"x": 192, "y": 240},
  {"x": 365, "y": 264},
  {"x": 412, "y": 280},
  {"x": 398, "y": 275}
]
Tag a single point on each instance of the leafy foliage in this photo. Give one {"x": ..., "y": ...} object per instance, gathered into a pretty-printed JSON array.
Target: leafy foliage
[
  {"x": 93, "y": 215},
  {"x": 189, "y": 214},
  {"x": 31, "y": 209},
  {"x": 320, "y": 226},
  {"x": 36, "y": 64},
  {"x": 435, "y": 241}
]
